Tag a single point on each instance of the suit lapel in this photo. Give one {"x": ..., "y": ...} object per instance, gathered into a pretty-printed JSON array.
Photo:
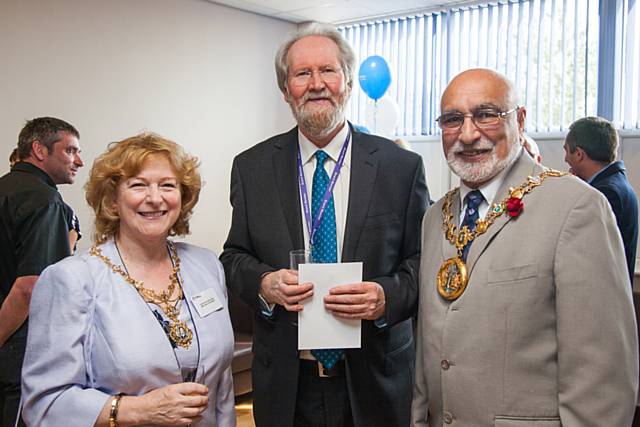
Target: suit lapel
[
  {"x": 286, "y": 172},
  {"x": 523, "y": 167},
  {"x": 364, "y": 167}
]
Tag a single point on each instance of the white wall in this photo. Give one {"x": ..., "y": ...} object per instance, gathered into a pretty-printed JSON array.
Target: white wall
[{"x": 195, "y": 72}]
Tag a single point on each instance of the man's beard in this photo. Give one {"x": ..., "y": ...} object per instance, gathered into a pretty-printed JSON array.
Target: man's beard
[
  {"x": 479, "y": 172},
  {"x": 319, "y": 123}
]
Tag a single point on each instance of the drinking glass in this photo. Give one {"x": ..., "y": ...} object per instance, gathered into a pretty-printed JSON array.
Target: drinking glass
[
  {"x": 192, "y": 373},
  {"x": 299, "y": 256}
]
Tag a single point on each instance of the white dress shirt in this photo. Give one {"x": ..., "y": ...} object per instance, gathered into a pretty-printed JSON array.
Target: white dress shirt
[
  {"x": 489, "y": 192},
  {"x": 340, "y": 191}
]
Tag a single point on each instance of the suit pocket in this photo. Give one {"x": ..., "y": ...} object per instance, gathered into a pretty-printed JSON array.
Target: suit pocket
[
  {"x": 512, "y": 274},
  {"x": 508, "y": 421},
  {"x": 400, "y": 359}
]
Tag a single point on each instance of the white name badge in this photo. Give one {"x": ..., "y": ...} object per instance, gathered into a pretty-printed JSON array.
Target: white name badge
[{"x": 206, "y": 302}]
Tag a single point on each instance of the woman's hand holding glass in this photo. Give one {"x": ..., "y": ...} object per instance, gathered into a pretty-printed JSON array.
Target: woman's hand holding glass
[{"x": 173, "y": 405}]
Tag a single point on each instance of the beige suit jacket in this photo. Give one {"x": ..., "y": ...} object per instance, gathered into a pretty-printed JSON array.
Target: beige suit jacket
[{"x": 545, "y": 333}]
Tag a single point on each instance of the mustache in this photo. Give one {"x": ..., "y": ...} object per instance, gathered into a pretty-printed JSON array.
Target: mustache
[
  {"x": 324, "y": 94},
  {"x": 482, "y": 144}
]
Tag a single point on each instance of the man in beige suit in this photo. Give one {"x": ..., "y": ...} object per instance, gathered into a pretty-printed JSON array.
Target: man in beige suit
[{"x": 531, "y": 322}]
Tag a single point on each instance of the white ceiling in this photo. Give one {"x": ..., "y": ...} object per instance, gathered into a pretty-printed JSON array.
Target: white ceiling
[{"x": 334, "y": 11}]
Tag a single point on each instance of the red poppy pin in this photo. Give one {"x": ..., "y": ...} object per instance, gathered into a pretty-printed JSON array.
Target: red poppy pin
[
  {"x": 514, "y": 203},
  {"x": 514, "y": 207}
]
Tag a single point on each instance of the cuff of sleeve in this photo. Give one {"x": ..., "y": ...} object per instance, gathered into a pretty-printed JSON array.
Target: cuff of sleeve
[
  {"x": 265, "y": 308},
  {"x": 380, "y": 322}
]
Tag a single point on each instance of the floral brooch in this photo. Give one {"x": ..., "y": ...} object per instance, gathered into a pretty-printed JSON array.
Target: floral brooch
[{"x": 514, "y": 203}]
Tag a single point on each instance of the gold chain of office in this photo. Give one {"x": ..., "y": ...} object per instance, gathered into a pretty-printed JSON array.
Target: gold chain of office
[
  {"x": 452, "y": 276},
  {"x": 178, "y": 329}
]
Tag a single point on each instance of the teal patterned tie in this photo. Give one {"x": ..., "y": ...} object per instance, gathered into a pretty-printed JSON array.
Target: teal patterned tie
[{"x": 324, "y": 247}]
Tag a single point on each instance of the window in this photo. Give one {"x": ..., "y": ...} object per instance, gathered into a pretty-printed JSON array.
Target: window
[
  {"x": 552, "y": 50},
  {"x": 627, "y": 32}
]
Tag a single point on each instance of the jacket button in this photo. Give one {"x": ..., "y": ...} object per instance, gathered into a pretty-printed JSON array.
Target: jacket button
[
  {"x": 445, "y": 364},
  {"x": 447, "y": 418}
]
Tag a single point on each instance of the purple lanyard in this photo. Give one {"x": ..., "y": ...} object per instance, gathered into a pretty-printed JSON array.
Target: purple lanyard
[{"x": 327, "y": 194}]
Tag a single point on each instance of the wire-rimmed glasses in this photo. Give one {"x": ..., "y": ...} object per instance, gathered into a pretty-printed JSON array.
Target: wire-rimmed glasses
[
  {"x": 482, "y": 118},
  {"x": 303, "y": 77}
]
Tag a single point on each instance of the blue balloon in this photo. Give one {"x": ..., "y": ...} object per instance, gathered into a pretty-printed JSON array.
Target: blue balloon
[
  {"x": 360, "y": 128},
  {"x": 374, "y": 77}
]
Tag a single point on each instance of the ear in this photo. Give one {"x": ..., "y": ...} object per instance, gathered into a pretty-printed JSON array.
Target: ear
[
  {"x": 38, "y": 150},
  {"x": 522, "y": 115}
]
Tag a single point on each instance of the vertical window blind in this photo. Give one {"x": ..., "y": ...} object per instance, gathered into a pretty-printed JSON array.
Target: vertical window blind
[
  {"x": 629, "y": 95},
  {"x": 549, "y": 48}
]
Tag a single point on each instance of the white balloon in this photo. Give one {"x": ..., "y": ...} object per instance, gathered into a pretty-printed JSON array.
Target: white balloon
[{"x": 382, "y": 116}]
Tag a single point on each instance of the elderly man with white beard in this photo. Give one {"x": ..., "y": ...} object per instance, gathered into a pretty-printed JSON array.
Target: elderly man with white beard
[
  {"x": 346, "y": 196},
  {"x": 525, "y": 312}
]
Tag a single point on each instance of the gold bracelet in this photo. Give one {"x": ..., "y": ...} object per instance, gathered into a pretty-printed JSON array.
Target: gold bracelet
[{"x": 113, "y": 414}]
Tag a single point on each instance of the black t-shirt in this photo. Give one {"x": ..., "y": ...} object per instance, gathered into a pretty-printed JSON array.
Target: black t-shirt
[
  {"x": 33, "y": 226},
  {"x": 73, "y": 223}
]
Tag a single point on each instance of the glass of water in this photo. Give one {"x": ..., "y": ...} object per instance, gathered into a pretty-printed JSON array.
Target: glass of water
[{"x": 299, "y": 256}]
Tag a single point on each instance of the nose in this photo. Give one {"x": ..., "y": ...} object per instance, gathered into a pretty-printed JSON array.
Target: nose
[
  {"x": 469, "y": 132},
  {"x": 78, "y": 161},
  {"x": 153, "y": 194},
  {"x": 316, "y": 82}
]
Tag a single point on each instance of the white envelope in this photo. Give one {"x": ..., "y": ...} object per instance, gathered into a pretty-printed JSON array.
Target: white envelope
[{"x": 318, "y": 328}]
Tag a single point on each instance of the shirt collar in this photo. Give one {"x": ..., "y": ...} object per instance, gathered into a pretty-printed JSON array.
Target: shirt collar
[
  {"x": 34, "y": 170},
  {"x": 488, "y": 190},
  {"x": 595, "y": 175},
  {"x": 308, "y": 148}
]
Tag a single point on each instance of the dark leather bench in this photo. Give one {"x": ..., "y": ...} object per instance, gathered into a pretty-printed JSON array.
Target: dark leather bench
[{"x": 242, "y": 321}]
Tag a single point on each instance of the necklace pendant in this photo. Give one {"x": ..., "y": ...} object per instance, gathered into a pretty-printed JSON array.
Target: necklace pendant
[
  {"x": 452, "y": 276},
  {"x": 180, "y": 334},
  {"x": 452, "y": 279}
]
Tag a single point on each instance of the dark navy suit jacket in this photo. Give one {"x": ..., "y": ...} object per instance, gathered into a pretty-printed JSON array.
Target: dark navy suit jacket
[{"x": 613, "y": 183}]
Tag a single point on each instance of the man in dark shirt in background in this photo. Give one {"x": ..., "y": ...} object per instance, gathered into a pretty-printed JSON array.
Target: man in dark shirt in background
[
  {"x": 33, "y": 235},
  {"x": 590, "y": 149}
]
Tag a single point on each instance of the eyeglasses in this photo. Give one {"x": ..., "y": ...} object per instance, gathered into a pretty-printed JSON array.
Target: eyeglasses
[
  {"x": 484, "y": 118},
  {"x": 328, "y": 75}
]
